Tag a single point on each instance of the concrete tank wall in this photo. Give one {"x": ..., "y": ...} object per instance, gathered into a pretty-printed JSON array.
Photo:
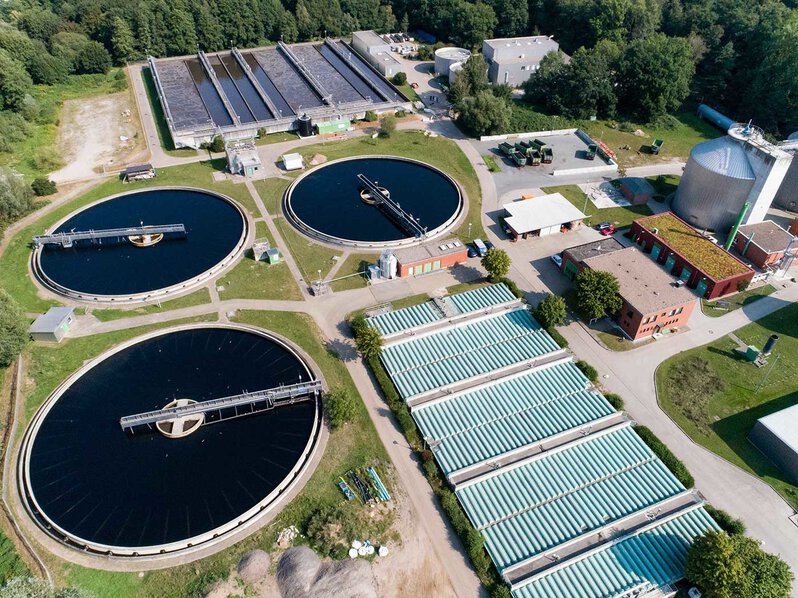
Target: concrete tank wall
[
  {"x": 787, "y": 195},
  {"x": 454, "y": 69},
  {"x": 446, "y": 57},
  {"x": 708, "y": 199}
]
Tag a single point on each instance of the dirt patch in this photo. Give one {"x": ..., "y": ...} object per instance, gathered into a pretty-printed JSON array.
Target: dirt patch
[{"x": 96, "y": 135}]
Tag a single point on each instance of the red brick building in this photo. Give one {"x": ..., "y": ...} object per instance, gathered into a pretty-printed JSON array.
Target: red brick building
[
  {"x": 763, "y": 243},
  {"x": 422, "y": 259},
  {"x": 688, "y": 255},
  {"x": 652, "y": 302}
]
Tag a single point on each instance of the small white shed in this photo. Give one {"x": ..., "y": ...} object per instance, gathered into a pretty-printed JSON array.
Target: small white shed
[
  {"x": 293, "y": 162},
  {"x": 52, "y": 326}
]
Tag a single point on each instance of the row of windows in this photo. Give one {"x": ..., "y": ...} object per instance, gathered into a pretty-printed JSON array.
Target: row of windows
[
  {"x": 673, "y": 312},
  {"x": 663, "y": 325}
]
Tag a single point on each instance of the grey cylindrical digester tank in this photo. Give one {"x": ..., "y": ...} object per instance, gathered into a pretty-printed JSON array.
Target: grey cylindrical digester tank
[{"x": 716, "y": 183}]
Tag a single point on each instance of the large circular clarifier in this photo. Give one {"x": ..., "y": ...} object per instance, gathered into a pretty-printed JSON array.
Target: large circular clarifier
[
  {"x": 95, "y": 486},
  {"x": 327, "y": 202},
  {"x": 133, "y": 268}
]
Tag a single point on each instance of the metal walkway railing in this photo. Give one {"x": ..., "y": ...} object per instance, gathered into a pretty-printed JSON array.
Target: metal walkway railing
[
  {"x": 392, "y": 209},
  {"x": 273, "y": 397},
  {"x": 66, "y": 239}
]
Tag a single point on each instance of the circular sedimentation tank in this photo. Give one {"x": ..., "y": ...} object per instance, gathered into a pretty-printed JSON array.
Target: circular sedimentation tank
[
  {"x": 144, "y": 267},
  {"x": 330, "y": 203},
  {"x": 98, "y": 488},
  {"x": 447, "y": 57}
]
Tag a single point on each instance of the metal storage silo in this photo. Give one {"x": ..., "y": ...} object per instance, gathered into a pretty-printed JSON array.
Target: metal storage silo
[
  {"x": 716, "y": 183},
  {"x": 446, "y": 57},
  {"x": 305, "y": 126}
]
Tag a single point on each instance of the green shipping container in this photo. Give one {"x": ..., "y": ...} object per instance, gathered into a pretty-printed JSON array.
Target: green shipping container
[{"x": 333, "y": 126}]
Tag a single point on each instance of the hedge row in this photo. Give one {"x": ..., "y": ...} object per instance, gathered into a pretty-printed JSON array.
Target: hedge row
[
  {"x": 729, "y": 524},
  {"x": 615, "y": 400},
  {"x": 469, "y": 535},
  {"x": 558, "y": 338},
  {"x": 670, "y": 460},
  {"x": 588, "y": 370}
]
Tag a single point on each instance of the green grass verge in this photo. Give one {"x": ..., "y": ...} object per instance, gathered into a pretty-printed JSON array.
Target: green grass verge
[
  {"x": 621, "y": 216},
  {"x": 271, "y": 193},
  {"x": 617, "y": 342},
  {"x": 735, "y": 302},
  {"x": 276, "y": 138},
  {"x": 408, "y": 92},
  {"x": 721, "y": 416},
  {"x": 164, "y": 136},
  {"x": 664, "y": 184},
  {"x": 356, "y": 263},
  {"x": 490, "y": 162},
  {"x": 14, "y": 260},
  {"x": 44, "y": 132},
  {"x": 199, "y": 297},
  {"x": 313, "y": 259}
]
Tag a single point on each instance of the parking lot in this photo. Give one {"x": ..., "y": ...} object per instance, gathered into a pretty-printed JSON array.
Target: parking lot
[{"x": 569, "y": 153}]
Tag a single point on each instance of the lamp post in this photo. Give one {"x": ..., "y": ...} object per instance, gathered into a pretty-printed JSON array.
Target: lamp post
[{"x": 469, "y": 229}]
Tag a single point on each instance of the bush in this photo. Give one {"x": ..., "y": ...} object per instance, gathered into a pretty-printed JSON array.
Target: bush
[
  {"x": 615, "y": 400},
  {"x": 551, "y": 311},
  {"x": 370, "y": 117},
  {"x": 387, "y": 126},
  {"x": 13, "y": 330},
  {"x": 742, "y": 285},
  {"x": 500, "y": 591},
  {"x": 512, "y": 287},
  {"x": 93, "y": 58},
  {"x": 399, "y": 79},
  {"x": 47, "y": 159},
  {"x": 47, "y": 69},
  {"x": 217, "y": 145},
  {"x": 368, "y": 341},
  {"x": 676, "y": 467},
  {"x": 729, "y": 524},
  {"x": 626, "y": 127},
  {"x": 341, "y": 407},
  {"x": 588, "y": 370},
  {"x": 558, "y": 338},
  {"x": 43, "y": 186}
]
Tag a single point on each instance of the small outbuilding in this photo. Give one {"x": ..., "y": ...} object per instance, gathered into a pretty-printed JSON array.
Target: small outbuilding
[
  {"x": 763, "y": 244},
  {"x": 293, "y": 162},
  {"x": 243, "y": 158},
  {"x": 273, "y": 255},
  {"x": 776, "y": 435},
  {"x": 541, "y": 216},
  {"x": 139, "y": 172},
  {"x": 422, "y": 259},
  {"x": 52, "y": 326},
  {"x": 636, "y": 190}
]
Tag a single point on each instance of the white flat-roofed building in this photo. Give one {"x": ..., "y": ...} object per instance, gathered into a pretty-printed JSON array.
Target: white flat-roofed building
[
  {"x": 541, "y": 216},
  {"x": 376, "y": 51},
  {"x": 513, "y": 60},
  {"x": 776, "y": 435}
]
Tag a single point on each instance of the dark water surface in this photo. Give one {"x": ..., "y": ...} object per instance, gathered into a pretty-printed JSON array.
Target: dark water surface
[
  {"x": 328, "y": 199},
  {"x": 213, "y": 228},
  {"x": 103, "y": 485}
]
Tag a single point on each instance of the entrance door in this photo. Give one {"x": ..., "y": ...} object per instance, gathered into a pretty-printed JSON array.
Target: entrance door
[
  {"x": 701, "y": 289},
  {"x": 570, "y": 269},
  {"x": 685, "y": 275},
  {"x": 655, "y": 251},
  {"x": 670, "y": 262}
]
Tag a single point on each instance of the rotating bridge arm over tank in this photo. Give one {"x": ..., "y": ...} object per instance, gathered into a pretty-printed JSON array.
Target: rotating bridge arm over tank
[
  {"x": 66, "y": 239},
  {"x": 272, "y": 397},
  {"x": 391, "y": 209}
]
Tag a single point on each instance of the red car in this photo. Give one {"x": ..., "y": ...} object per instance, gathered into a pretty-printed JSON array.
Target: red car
[{"x": 606, "y": 229}]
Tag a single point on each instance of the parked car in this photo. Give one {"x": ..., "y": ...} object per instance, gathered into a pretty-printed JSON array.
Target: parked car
[
  {"x": 557, "y": 259},
  {"x": 488, "y": 244},
  {"x": 606, "y": 229},
  {"x": 481, "y": 248},
  {"x": 472, "y": 252}
]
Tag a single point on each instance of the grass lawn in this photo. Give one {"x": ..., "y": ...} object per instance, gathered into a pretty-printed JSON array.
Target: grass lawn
[
  {"x": 408, "y": 92},
  {"x": 199, "y": 297},
  {"x": 621, "y": 216},
  {"x": 437, "y": 151},
  {"x": 722, "y": 402},
  {"x": 271, "y": 192},
  {"x": 354, "y": 264},
  {"x": 617, "y": 342},
  {"x": 311, "y": 257},
  {"x": 43, "y": 134},
  {"x": 466, "y": 286},
  {"x": 664, "y": 184},
  {"x": 164, "y": 136},
  {"x": 276, "y": 138},
  {"x": 14, "y": 261},
  {"x": 736, "y": 301},
  {"x": 679, "y": 140},
  {"x": 490, "y": 162},
  {"x": 48, "y": 366}
]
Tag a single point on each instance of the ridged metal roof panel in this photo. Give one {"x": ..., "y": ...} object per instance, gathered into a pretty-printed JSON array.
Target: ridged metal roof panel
[
  {"x": 496, "y": 418},
  {"x": 465, "y": 350},
  {"x": 725, "y": 156},
  {"x": 481, "y": 298},
  {"x": 651, "y": 558},
  {"x": 529, "y": 509},
  {"x": 406, "y": 318}
]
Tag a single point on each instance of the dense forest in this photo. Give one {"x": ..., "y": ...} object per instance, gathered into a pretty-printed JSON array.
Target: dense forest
[{"x": 636, "y": 58}]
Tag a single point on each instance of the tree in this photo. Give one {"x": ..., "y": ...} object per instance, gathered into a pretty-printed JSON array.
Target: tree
[
  {"x": 387, "y": 125},
  {"x": 655, "y": 75},
  {"x": 725, "y": 566},
  {"x": 122, "y": 42},
  {"x": 341, "y": 407},
  {"x": 39, "y": 24},
  {"x": 93, "y": 58},
  {"x": 484, "y": 114},
  {"x": 475, "y": 23},
  {"x": 217, "y": 144},
  {"x": 399, "y": 78},
  {"x": 475, "y": 75},
  {"x": 16, "y": 197},
  {"x": 512, "y": 16},
  {"x": 368, "y": 341},
  {"x": 551, "y": 311},
  {"x": 43, "y": 186},
  {"x": 47, "y": 69},
  {"x": 596, "y": 294},
  {"x": 13, "y": 330},
  {"x": 15, "y": 83},
  {"x": 497, "y": 263}
]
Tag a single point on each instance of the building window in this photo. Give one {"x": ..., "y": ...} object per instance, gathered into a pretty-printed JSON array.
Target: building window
[
  {"x": 654, "y": 318},
  {"x": 680, "y": 310},
  {"x": 673, "y": 312},
  {"x": 629, "y": 313}
]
